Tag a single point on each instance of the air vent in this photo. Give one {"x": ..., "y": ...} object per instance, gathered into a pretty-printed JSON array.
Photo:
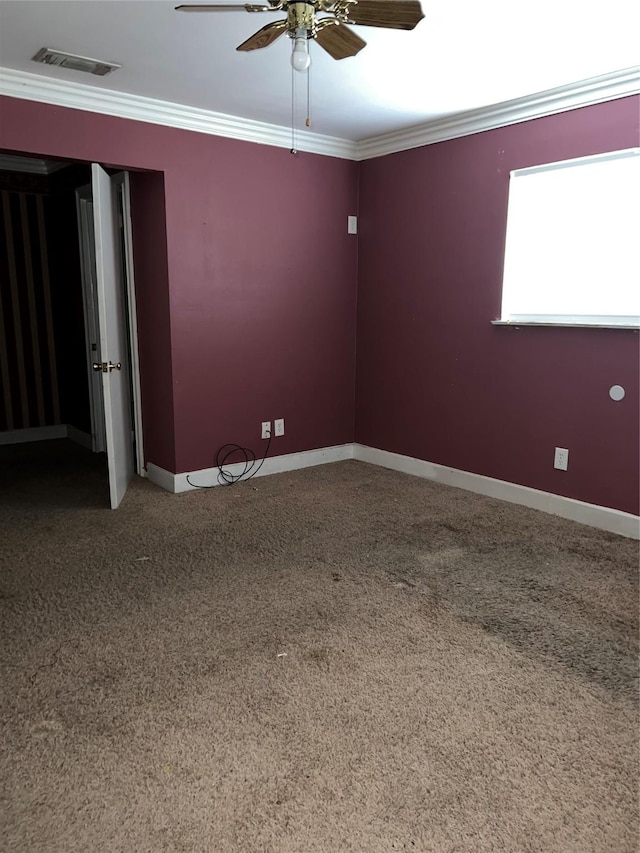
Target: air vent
[{"x": 75, "y": 63}]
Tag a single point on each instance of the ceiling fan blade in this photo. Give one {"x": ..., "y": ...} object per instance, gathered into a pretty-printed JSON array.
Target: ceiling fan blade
[
  {"x": 395, "y": 14},
  {"x": 264, "y": 37},
  {"x": 339, "y": 41},
  {"x": 223, "y": 7}
]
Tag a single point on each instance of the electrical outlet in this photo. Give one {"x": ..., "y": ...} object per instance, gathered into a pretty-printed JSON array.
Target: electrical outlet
[
  {"x": 278, "y": 426},
  {"x": 266, "y": 429},
  {"x": 561, "y": 459}
]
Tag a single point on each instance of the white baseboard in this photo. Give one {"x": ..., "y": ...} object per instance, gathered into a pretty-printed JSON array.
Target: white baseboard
[
  {"x": 45, "y": 433},
  {"x": 207, "y": 477},
  {"x": 82, "y": 438},
  {"x": 604, "y": 518},
  {"x": 613, "y": 520},
  {"x": 162, "y": 478}
]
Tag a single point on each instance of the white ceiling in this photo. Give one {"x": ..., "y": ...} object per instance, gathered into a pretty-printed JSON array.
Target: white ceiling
[{"x": 464, "y": 55}]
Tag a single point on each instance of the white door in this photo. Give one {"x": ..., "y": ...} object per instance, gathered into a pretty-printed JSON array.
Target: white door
[{"x": 113, "y": 338}]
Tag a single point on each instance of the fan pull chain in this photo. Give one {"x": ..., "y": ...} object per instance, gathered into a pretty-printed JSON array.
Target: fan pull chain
[
  {"x": 308, "y": 121},
  {"x": 293, "y": 111}
]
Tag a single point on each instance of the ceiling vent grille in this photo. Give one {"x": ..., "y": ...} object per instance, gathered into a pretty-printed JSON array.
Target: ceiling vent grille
[{"x": 75, "y": 63}]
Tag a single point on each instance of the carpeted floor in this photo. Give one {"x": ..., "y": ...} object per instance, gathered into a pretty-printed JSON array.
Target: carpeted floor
[{"x": 339, "y": 659}]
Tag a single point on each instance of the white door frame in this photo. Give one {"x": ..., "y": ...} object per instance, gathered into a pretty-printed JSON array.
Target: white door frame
[
  {"x": 121, "y": 182},
  {"x": 84, "y": 206}
]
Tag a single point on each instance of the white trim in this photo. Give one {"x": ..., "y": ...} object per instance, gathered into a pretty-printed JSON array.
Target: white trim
[
  {"x": 84, "y": 439},
  {"x": 80, "y": 96},
  {"x": 207, "y": 477},
  {"x": 604, "y": 518},
  {"x": 565, "y": 324},
  {"x": 124, "y": 209},
  {"x": 93, "y": 99},
  {"x": 605, "y": 157},
  {"x": 162, "y": 478},
  {"x": 606, "y": 87},
  {"x": 612, "y": 321},
  {"x": 613, "y": 520},
  {"x": 45, "y": 433}
]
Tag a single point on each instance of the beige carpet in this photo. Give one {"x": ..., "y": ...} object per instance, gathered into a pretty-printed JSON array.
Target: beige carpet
[{"x": 339, "y": 659}]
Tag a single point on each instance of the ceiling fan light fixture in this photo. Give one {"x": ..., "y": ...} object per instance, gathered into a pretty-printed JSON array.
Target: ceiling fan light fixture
[
  {"x": 300, "y": 58},
  {"x": 331, "y": 32}
]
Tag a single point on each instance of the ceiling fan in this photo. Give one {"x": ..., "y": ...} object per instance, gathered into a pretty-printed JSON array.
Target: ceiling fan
[{"x": 332, "y": 33}]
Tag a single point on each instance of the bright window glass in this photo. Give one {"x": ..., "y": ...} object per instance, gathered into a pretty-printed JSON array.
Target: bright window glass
[{"x": 573, "y": 242}]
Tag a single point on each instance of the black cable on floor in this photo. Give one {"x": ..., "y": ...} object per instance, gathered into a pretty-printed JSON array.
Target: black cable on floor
[{"x": 225, "y": 477}]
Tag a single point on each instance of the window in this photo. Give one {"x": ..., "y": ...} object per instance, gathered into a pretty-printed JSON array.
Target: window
[{"x": 572, "y": 253}]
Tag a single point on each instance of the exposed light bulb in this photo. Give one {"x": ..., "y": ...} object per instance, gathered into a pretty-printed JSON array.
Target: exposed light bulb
[{"x": 300, "y": 58}]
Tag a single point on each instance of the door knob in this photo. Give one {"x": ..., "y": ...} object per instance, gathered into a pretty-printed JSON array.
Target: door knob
[{"x": 107, "y": 366}]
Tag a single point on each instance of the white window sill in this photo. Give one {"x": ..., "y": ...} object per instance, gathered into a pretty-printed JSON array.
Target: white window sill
[{"x": 516, "y": 324}]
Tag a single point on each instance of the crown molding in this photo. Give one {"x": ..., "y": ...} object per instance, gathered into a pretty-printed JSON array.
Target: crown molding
[
  {"x": 94, "y": 99},
  {"x": 36, "y": 87},
  {"x": 606, "y": 87}
]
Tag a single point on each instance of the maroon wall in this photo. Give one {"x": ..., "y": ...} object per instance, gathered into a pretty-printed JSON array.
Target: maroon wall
[
  {"x": 261, "y": 280},
  {"x": 435, "y": 380},
  {"x": 251, "y": 316}
]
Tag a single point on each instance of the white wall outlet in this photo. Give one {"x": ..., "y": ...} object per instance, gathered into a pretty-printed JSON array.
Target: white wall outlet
[
  {"x": 278, "y": 426},
  {"x": 266, "y": 429},
  {"x": 561, "y": 459},
  {"x": 352, "y": 225}
]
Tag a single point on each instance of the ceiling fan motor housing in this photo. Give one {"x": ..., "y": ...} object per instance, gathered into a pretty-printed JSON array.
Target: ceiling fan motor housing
[{"x": 301, "y": 16}]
